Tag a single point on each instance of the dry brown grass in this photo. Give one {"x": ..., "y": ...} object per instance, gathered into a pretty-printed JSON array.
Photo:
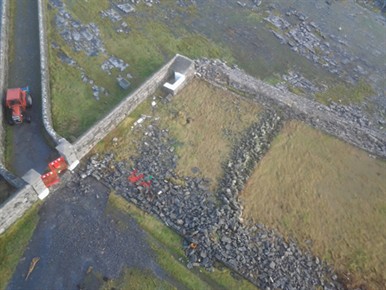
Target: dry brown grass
[
  {"x": 206, "y": 121},
  {"x": 313, "y": 186}
]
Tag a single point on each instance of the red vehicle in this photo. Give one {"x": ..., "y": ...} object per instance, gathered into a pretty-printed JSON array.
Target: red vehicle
[{"x": 16, "y": 103}]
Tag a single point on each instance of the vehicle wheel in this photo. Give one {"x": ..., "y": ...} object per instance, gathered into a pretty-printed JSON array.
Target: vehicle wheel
[
  {"x": 8, "y": 116},
  {"x": 29, "y": 101}
]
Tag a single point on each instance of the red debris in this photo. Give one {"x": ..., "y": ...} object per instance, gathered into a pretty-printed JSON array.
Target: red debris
[
  {"x": 58, "y": 165},
  {"x": 50, "y": 178},
  {"x": 134, "y": 178}
]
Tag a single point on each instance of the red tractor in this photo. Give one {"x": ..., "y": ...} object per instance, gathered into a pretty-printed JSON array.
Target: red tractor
[{"x": 16, "y": 103}]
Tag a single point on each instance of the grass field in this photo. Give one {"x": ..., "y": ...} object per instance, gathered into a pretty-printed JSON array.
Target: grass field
[
  {"x": 149, "y": 44},
  {"x": 170, "y": 256},
  {"x": 204, "y": 121},
  {"x": 135, "y": 279},
  {"x": 327, "y": 195},
  {"x": 346, "y": 94},
  {"x": 13, "y": 243}
]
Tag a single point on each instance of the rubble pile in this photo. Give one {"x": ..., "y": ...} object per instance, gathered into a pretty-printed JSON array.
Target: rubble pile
[{"x": 210, "y": 221}]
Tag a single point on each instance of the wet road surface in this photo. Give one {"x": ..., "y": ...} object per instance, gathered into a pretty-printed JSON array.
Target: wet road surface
[
  {"x": 74, "y": 233},
  {"x": 30, "y": 148}
]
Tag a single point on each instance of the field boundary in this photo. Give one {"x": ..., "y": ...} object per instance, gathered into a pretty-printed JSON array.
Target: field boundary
[
  {"x": 96, "y": 133},
  {"x": 310, "y": 112},
  {"x": 4, "y": 43},
  {"x": 27, "y": 196},
  {"x": 45, "y": 76}
]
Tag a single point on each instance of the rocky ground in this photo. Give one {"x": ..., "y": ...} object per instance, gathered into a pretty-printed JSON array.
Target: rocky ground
[
  {"x": 329, "y": 34},
  {"x": 324, "y": 33},
  {"x": 209, "y": 221},
  {"x": 73, "y": 220}
]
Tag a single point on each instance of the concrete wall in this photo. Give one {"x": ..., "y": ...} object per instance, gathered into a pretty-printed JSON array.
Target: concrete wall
[
  {"x": 3, "y": 67},
  {"x": 86, "y": 142}
]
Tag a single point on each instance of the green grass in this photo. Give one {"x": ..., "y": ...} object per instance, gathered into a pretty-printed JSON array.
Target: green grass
[
  {"x": 11, "y": 30},
  {"x": 135, "y": 279},
  {"x": 273, "y": 80},
  {"x": 296, "y": 90},
  {"x": 170, "y": 256},
  {"x": 203, "y": 120},
  {"x": 130, "y": 279},
  {"x": 146, "y": 48},
  {"x": 345, "y": 93},
  {"x": 316, "y": 187},
  {"x": 8, "y": 147},
  {"x": 13, "y": 243},
  {"x": 127, "y": 138}
]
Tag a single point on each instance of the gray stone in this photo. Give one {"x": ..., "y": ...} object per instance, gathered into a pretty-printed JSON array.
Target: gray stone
[{"x": 123, "y": 83}]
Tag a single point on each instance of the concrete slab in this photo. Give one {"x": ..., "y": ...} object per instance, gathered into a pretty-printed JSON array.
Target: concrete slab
[
  {"x": 66, "y": 150},
  {"x": 33, "y": 178}
]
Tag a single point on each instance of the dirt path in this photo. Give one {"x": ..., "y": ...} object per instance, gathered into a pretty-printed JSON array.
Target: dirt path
[
  {"x": 75, "y": 233},
  {"x": 29, "y": 143}
]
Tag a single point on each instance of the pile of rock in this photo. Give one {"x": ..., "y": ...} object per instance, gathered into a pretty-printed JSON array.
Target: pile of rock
[
  {"x": 80, "y": 37},
  {"x": 114, "y": 62},
  {"x": 210, "y": 221}
]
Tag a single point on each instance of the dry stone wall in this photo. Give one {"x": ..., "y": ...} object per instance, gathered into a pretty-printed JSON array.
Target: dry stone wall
[
  {"x": 26, "y": 196},
  {"x": 16, "y": 206},
  {"x": 86, "y": 142},
  {"x": 211, "y": 222},
  {"x": 312, "y": 113},
  {"x": 45, "y": 77}
]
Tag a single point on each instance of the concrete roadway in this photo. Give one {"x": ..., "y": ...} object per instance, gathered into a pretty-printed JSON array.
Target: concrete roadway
[{"x": 30, "y": 148}]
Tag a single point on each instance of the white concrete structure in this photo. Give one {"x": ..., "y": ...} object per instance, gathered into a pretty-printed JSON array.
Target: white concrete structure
[
  {"x": 33, "y": 178},
  {"x": 179, "y": 79}
]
